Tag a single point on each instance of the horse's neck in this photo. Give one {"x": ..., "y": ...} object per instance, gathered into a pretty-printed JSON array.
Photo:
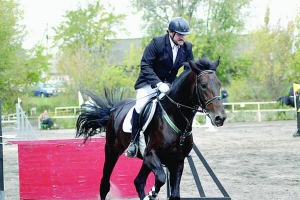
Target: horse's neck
[
  {"x": 183, "y": 95},
  {"x": 182, "y": 109}
]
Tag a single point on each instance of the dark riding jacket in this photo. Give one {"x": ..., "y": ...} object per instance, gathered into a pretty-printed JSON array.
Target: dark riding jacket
[{"x": 157, "y": 62}]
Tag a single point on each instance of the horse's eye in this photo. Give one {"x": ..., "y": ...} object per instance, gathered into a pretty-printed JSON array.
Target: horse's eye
[{"x": 204, "y": 86}]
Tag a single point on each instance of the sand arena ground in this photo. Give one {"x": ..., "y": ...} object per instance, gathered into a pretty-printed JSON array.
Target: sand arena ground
[{"x": 257, "y": 161}]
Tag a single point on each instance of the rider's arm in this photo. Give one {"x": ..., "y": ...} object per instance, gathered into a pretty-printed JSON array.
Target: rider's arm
[{"x": 148, "y": 59}]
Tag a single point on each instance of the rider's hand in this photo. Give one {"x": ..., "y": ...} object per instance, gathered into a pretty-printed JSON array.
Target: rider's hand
[{"x": 162, "y": 87}]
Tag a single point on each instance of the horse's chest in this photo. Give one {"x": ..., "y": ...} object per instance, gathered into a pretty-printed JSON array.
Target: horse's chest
[{"x": 181, "y": 147}]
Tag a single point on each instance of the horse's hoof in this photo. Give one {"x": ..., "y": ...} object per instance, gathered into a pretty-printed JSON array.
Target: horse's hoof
[
  {"x": 150, "y": 198},
  {"x": 174, "y": 198}
]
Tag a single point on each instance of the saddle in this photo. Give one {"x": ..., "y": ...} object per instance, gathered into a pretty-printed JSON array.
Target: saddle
[{"x": 146, "y": 116}]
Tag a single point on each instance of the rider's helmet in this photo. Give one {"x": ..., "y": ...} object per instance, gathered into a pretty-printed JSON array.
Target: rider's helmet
[{"x": 179, "y": 25}]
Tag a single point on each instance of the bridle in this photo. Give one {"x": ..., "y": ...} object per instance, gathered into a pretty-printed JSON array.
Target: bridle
[
  {"x": 201, "y": 102},
  {"x": 200, "y": 99}
]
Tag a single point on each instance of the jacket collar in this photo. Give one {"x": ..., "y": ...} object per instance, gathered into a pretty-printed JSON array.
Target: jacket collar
[{"x": 169, "y": 49}]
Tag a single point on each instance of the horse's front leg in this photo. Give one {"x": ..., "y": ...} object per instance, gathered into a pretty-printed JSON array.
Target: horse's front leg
[
  {"x": 175, "y": 177},
  {"x": 140, "y": 180},
  {"x": 154, "y": 164}
]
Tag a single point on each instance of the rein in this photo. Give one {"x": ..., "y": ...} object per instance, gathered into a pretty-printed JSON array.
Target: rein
[{"x": 201, "y": 103}]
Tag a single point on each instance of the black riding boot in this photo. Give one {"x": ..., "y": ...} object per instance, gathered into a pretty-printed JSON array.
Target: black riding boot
[{"x": 131, "y": 151}]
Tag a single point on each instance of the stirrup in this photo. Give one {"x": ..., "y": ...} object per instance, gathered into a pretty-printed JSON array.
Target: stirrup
[{"x": 131, "y": 150}]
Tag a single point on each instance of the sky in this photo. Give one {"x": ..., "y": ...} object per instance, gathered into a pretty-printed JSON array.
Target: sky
[{"x": 41, "y": 15}]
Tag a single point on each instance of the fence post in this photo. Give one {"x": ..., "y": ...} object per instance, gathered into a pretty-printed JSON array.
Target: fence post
[
  {"x": 297, "y": 133},
  {"x": 259, "y": 113},
  {"x": 1, "y": 157}
]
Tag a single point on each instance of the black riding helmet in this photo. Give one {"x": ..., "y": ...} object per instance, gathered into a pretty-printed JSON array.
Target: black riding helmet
[{"x": 179, "y": 25}]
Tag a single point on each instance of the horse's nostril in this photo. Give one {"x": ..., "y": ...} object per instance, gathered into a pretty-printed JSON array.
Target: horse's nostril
[{"x": 218, "y": 119}]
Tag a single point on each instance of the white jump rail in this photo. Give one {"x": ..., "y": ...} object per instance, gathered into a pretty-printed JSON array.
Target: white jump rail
[
  {"x": 244, "y": 104},
  {"x": 66, "y": 108},
  {"x": 234, "y": 108},
  {"x": 259, "y": 111},
  {"x": 9, "y": 119}
]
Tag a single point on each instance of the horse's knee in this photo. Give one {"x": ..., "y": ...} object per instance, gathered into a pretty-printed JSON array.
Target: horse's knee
[
  {"x": 160, "y": 179},
  {"x": 139, "y": 181}
]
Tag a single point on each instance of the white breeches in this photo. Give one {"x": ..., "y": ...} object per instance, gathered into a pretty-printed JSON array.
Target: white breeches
[{"x": 143, "y": 95}]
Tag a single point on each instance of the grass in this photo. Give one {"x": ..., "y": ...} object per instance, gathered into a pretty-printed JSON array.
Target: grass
[{"x": 48, "y": 103}]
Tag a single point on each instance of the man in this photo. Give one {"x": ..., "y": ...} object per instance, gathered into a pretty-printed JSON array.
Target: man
[
  {"x": 224, "y": 96},
  {"x": 46, "y": 119},
  {"x": 160, "y": 63}
]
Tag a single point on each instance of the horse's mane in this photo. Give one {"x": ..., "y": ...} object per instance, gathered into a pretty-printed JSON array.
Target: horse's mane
[{"x": 202, "y": 64}]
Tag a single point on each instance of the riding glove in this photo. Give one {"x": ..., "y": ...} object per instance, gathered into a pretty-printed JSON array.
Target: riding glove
[{"x": 162, "y": 87}]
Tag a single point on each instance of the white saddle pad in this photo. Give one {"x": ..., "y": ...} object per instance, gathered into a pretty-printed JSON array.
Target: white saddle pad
[
  {"x": 127, "y": 127},
  {"x": 127, "y": 121}
]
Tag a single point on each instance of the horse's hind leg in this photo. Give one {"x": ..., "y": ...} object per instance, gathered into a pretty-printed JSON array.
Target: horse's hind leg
[{"x": 111, "y": 158}]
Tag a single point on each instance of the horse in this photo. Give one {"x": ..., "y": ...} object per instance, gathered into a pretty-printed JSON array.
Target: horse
[
  {"x": 286, "y": 100},
  {"x": 169, "y": 134}
]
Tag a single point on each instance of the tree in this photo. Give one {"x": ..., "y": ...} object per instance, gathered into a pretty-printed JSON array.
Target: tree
[
  {"x": 269, "y": 56},
  {"x": 84, "y": 42},
  {"x": 293, "y": 72},
  {"x": 18, "y": 67},
  {"x": 214, "y": 26}
]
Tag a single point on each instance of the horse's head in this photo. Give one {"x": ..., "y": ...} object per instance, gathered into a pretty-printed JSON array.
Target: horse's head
[{"x": 207, "y": 90}]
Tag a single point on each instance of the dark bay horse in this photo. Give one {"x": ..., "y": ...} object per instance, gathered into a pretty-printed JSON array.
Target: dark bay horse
[{"x": 169, "y": 143}]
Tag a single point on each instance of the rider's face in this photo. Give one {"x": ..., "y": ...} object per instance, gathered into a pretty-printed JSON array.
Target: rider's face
[{"x": 178, "y": 39}]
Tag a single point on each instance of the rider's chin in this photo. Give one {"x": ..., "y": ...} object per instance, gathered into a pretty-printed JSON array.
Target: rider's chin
[{"x": 180, "y": 42}]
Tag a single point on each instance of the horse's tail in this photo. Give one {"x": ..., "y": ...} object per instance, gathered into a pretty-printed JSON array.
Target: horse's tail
[{"x": 93, "y": 116}]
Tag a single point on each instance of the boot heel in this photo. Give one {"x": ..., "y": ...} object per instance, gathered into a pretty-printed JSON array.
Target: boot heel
[{"x": 131, "y": 150}]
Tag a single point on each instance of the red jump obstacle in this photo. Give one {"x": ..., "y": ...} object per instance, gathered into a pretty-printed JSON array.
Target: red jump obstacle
[{"x": 68, "y": 169}]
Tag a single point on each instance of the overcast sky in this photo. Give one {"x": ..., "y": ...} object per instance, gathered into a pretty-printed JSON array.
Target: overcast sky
[{"x": 40, "y": 14}]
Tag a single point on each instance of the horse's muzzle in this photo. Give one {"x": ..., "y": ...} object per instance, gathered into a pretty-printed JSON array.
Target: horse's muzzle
[{"x": 219, "y": 120}]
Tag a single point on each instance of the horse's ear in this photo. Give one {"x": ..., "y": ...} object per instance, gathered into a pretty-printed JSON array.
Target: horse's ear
[
  {"x": 193, "y": 66},
  {"x": 217, "y": 62}
]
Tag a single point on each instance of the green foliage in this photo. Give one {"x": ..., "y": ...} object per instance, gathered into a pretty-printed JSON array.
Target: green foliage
[
  {"x": 48, "y": 103},
  {"x": 84, "y": 46},
  {"x": 134, "y": 56},
  {"x": 69, "y": 123},
  {"x": 18, "y": 67},
  {"x": 213, "y": 33},
  {"x": 270, "y": 56},
  {"x": 293, "y": 72}
]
